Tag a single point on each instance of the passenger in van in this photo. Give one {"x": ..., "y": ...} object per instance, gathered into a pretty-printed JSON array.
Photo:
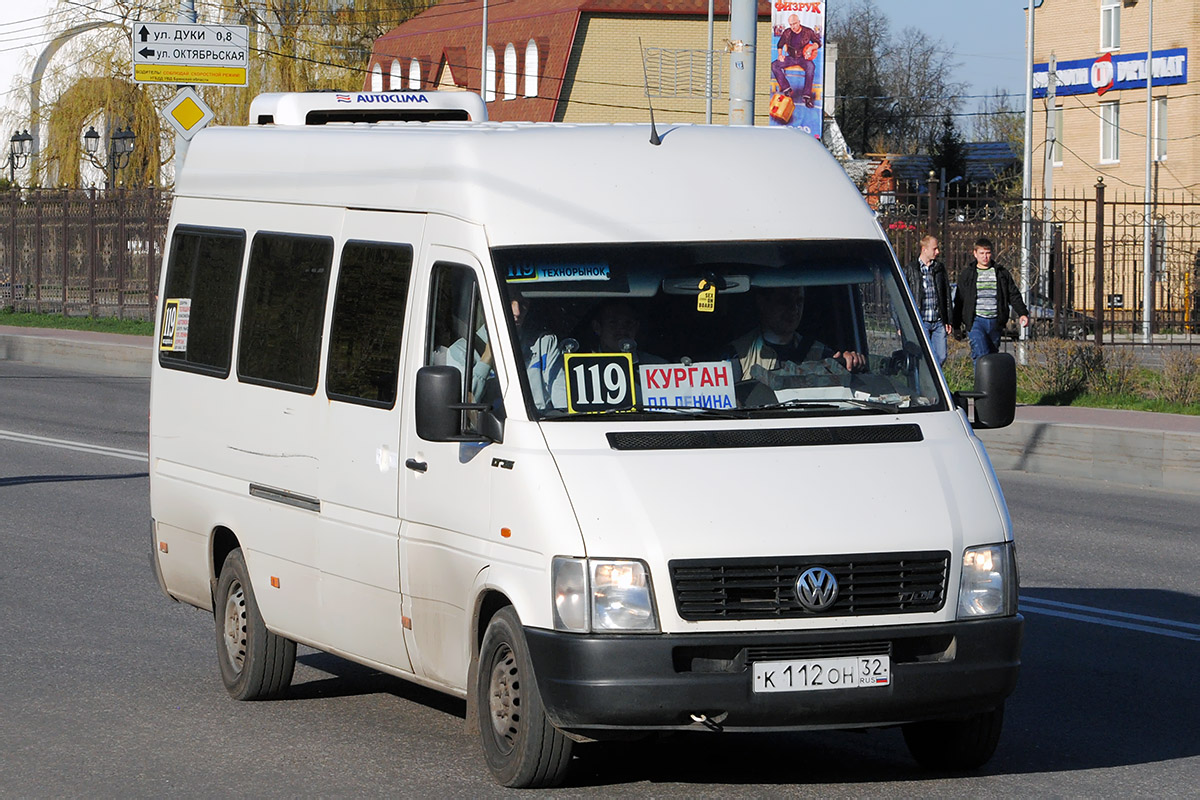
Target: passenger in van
[
  {"x": 777, "y": 341},
  {"x": 616, "y": 326},
  {"x": 542, "y": 355},
  {"x": 455, "y": 355}
]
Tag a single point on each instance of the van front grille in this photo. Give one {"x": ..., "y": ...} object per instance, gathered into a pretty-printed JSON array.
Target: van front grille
[{"x": 764, "y": 588}]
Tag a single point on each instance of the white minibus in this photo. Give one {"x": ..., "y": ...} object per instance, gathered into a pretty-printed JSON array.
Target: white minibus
[{"x": 605, "y": 436}]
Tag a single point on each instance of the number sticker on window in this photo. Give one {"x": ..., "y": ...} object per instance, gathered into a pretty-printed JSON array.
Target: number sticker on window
[{"x": 599, "y": 382}]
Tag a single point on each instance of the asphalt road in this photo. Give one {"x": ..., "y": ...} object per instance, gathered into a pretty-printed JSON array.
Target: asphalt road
[{"x": 109, "y": 689}]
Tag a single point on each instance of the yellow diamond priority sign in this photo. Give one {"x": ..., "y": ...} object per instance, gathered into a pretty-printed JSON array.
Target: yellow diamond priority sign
[{"x": 187, "y": 113}]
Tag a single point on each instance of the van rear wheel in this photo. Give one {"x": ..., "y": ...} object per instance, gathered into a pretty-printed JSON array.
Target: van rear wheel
[
  {"x": 255, "y": 663},
  {"x": 523, "y": 749},
  {"x": 954, "y": 745}
]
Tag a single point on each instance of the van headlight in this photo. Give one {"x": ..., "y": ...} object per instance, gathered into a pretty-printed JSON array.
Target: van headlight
[
  {"x": 602, "y": 595},
  {"x": 989, "y": 582}
]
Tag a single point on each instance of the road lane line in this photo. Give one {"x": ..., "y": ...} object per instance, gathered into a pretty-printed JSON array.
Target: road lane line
[
  {"x": 1108, "y": 613},
  {"x": 82, "y": 447},
  {"x": 1031, "y": 607}
]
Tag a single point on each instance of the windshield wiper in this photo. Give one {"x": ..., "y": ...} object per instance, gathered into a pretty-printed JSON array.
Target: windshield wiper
[{"x": 832, "y": 403}]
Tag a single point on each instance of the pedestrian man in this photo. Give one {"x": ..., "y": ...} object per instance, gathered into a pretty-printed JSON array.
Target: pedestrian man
[
  {"x": 985, "y": 292},
  {"x": 927, "y": 279},
  {"x": 798, "y": 47}
]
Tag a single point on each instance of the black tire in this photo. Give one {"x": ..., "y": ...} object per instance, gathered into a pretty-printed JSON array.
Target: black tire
[
  {"x": 955, "y": 745},
  {"x": 523, "y": 749},
  {"x": 255, "y": 663}
]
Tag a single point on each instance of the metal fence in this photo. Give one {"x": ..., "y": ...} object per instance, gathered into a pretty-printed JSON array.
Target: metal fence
[
  {"x": 1086, "y": 254},
  {"x": 80, "y": 252}
]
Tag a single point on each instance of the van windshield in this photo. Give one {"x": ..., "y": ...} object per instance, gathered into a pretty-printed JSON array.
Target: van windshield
[{"x": 718, "y": 329}]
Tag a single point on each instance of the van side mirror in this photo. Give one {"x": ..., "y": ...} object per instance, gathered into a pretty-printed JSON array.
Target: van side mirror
[
  {"x": 439, "y": 407},
  {"x": 995, "y": 392}
]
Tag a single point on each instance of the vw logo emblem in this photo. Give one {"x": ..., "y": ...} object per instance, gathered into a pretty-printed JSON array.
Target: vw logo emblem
[{"x": 816, "y": 589}]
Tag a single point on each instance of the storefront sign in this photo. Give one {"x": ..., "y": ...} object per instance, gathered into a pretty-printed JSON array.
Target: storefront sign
[{"x": 1112, "y": 72}]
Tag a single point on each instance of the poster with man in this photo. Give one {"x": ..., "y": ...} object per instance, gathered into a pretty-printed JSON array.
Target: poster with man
[{"x": 797, "y": 64}]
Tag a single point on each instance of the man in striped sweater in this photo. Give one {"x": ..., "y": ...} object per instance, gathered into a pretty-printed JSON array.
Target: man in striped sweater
[{"x": 981, "y": 303}]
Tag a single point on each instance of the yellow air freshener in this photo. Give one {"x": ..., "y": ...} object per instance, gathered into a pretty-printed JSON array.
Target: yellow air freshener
[{"x": 707, "y": 299}]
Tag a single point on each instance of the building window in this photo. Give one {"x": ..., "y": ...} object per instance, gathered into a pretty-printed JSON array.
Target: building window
[
  {"x": 1110, "y": 24},
  {"x": 395, "y": 77},
  {"x": 489, "y": 77},
  {"x": 414, "y": 75},
  {"x": 510, "y": 72},
  {"x": 531, "y": 69},
  {"x": 1110, "y": 132},
  {"x": 1058, "y": 137},
  {"x": 1160, "y": 129},
  {"x": 376, "y": 78}
]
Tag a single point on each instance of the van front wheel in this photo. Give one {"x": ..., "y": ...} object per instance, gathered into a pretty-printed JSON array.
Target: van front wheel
[
  {"x": 523, "y": 749},
  {"x": 962, "y": 744},
  {"x": 255, "y": 663}
]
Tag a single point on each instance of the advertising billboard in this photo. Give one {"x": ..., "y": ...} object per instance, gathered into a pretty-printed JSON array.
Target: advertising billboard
[{"x": 797, "y": 64}]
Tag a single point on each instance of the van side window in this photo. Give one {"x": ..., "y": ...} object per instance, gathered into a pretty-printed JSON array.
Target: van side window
[
  {"x": 368, "y": 322},
  {"x": 283, "y": 310},
  {"x": 456, "y": 318},
  {"x": 204, "y": 272}
]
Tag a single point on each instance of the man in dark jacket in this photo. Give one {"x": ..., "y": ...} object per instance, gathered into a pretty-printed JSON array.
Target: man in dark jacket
[
  {"x": 985, "y": 292},
  {"x": 927, "y": 279}
]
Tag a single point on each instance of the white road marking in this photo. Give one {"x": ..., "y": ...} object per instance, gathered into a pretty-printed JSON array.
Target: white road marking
[
  {"x": 82, "y": 447},
  {"x": 1114, "y": 619}
]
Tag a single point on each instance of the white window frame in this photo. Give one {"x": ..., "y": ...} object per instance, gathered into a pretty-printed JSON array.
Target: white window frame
[
  {"x": 1110, "y": 25},
  {"x": 510, "y": 72},
  {"x": 489, "y": 76},
  {"x": 395, "y": 76},
  {"x": 531, "y": 69},
  {"x": 377, "y": 78},
  {"x": 1161, "y": 128},
  {"x": 414, "y": 75},
  {"x": 1110, "y": 132}
]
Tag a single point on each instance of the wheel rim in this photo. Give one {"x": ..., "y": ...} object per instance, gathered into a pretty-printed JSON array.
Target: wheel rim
[
  {"x": 235, "y": 626},
  {"x": 504, "y": 698}
]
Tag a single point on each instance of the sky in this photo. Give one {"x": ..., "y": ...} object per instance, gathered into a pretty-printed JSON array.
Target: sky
[{"x": 987, "y": 37}]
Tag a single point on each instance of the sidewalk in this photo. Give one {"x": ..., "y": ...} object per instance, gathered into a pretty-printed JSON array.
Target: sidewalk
[{"x": 1136, "y": 448}]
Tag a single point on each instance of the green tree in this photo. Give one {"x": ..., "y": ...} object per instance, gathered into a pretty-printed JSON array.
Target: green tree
[{"x": 949, "y": 151}]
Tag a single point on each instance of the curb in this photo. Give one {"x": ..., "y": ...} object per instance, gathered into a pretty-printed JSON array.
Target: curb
[
  {"x": 1159, "y": 452},
  {"x": 118, "y": 356},
  {"x": 1129, "y": 456}
]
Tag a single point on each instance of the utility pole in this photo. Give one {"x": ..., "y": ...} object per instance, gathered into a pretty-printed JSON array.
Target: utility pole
[
  {"x": 743, "y": 30},
  {"x": 1027, "y": 168},
  {"x": 1147, "y": 233},
  {"x": 1048, "y": 181},
  {"x": 187, "y": 14}
]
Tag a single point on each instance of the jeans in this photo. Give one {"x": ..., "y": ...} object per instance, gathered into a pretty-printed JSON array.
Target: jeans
[
  {"x": 785, "y": 86},
  {"x": 937, "y": 339},
  {"x": 984, "y": 337}
]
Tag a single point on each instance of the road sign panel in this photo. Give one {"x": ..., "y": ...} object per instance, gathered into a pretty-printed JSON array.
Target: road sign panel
[
  {"x": 179, "y": 52},
  {"x": 187, "y": 112}
]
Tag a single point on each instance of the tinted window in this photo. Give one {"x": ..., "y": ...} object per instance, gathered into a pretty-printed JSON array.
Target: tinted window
[
  {"x": 368, "y": 322},
  {"x": 200, "y": 300},
  {"x": 283, "y": 310}
]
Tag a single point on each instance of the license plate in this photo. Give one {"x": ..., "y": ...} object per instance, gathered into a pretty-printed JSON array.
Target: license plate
[{"x": 858, "y": 672}]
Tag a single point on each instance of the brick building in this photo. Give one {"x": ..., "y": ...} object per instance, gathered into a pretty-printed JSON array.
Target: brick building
[
  {"x": 572, "y": 60},
  {"x": 1100, "y": 47}
]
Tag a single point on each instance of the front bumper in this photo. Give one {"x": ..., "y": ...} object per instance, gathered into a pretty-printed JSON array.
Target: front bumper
[{"x": 658, "y": 682}]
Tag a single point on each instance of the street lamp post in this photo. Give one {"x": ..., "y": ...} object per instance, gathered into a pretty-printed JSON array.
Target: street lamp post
[
  {"x": 19, "y": 148},
  {"x": 120, "y": 149}
]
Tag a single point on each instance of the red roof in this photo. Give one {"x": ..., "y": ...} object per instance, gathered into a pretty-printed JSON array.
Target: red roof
[{"x": 450, "y": 32}]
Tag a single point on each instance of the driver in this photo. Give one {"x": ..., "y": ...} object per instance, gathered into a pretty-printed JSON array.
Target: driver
[{"x": 776, "y": 340}]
